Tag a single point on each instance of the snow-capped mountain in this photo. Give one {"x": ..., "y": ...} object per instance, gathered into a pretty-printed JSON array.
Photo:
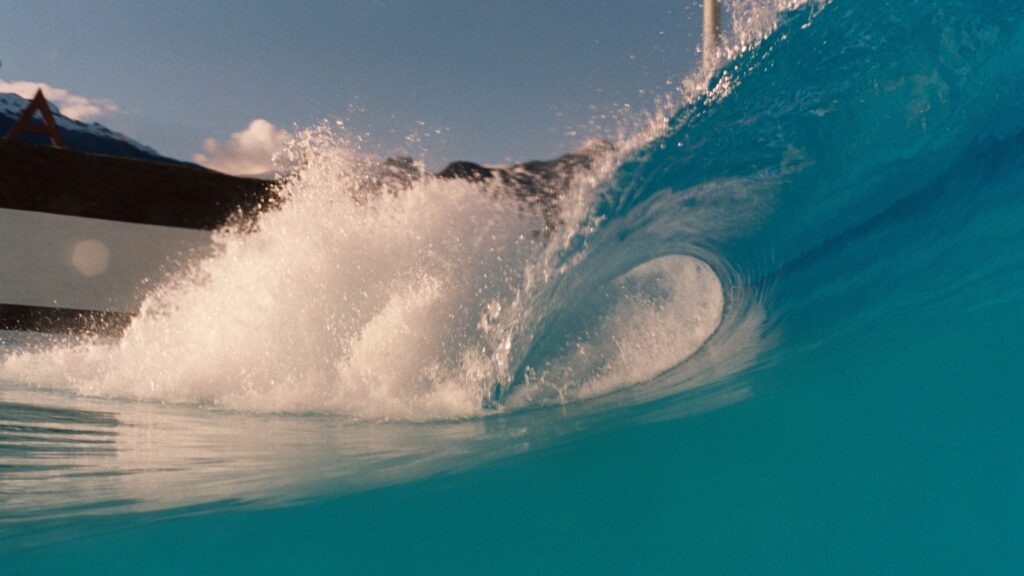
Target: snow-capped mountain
[{"x": 84, "y": 137}]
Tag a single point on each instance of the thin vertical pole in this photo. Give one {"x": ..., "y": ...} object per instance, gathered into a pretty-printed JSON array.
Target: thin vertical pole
[{"x": 712, "y": 31}]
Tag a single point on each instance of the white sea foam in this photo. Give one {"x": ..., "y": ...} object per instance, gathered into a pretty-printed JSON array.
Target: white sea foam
[
  {"x": 417, "y": 303},
  {"x": 365, "y": 306},
  {"x": 393, "y": 304}
]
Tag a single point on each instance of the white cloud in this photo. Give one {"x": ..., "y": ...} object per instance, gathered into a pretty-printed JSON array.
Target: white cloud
[
  {"x": 246, "y": 153},
  {"x": 71, "y": 105}
]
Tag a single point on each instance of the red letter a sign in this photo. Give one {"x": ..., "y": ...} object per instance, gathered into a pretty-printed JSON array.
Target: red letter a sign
[{"x": 25, "y": 123}]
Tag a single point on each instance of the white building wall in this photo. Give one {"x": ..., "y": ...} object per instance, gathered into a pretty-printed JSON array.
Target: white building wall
[{"x": 83, "y": 263}]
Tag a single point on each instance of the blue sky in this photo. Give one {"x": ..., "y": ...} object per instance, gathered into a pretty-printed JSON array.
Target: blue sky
[{"x": 476, "y": 79}]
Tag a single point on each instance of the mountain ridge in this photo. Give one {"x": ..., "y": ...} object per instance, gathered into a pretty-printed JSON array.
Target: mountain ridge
[{"x": 88, "y": 137}]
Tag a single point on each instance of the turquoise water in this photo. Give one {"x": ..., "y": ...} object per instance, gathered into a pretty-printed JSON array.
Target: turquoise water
[{"x": 856, "y": 184}]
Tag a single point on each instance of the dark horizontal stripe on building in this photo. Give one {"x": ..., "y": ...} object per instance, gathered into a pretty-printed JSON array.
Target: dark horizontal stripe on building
[
  {"x": 59, "y": 181},
  {"x": 62, "y": 320}
]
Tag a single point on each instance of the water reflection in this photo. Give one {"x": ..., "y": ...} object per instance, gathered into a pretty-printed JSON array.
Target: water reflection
[
  {"x": 62, "y": 456},
  {"x": 72, "y": 465}
]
